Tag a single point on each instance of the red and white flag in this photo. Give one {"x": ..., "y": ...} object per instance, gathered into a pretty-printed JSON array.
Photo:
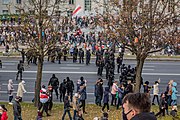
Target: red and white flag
[{"x": 76, "y": 11}]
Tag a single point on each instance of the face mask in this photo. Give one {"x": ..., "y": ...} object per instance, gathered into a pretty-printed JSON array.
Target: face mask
[{"x": 124, "y": 115}]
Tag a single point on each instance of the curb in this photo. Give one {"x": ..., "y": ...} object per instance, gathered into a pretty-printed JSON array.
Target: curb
[{"x": 125, "y": 58}]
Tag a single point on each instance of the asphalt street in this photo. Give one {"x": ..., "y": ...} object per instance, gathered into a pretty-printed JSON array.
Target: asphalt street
[{"x": 152, "y": 71}]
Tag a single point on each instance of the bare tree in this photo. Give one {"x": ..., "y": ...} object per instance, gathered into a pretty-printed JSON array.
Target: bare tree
[
  {"x": 38, "y": 16},
  {"x": 143, "y": 26}
]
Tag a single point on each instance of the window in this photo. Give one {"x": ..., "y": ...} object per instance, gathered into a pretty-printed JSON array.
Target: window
[
  {"x": 18, "y": 1},
  {"x": 5, "y": 1},
  {"x": 171, "y": 6},
  {"x": 17, "y": 11},
  {"x": 5, "y": 11},
  {"x": 87, "y": 5},
  {"x": 71, "y": 2}
]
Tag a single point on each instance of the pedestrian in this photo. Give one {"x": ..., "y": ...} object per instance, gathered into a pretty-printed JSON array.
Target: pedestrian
[
  {"x": 21, "y": 90},
  {"x": 54, "y": 82},
  {"x": 147, "y": 88},
  {"x": 10, "y": 91},
  {"x": 99, "y": 90},
  {"x": 83, "y": 97},
  {"x": 100, "y": 64},
  {"x": 0, "y": 63},
  {"x": 65, "y": 53},
  {"x": 3, "y": 112},
  {"x": 120, "y": 94},
  {"x": 44, "y": 97},
  {"x": 75, "y": 53},
  {"x": 81, "y": 55},
  {"x": 129, "y": 87},
  {"x": 17, "y": 109},
  {"x": 169, "y": 91},
  {"x": 88, "y": 57},
  {"x": 155, "y": 91},
  {"x": 70, "y": 87},
  {"x": 76, "y": 105},
  {"x": 50, "y": 101},
  {"x": 162, "y": 105},
  {"x": 62, "y": 90},
  {"x": 59, "y": 55},
  {"x": 80, "y": 82},
  {"x": 106, "y": 99},
  {"x": 174, "y": 94},
  {"x": 119, "y": 62},
  {"x": 20, "y": 68},
  {"x": 67, "y": 107},
  {"x": 113, "y": 92}
]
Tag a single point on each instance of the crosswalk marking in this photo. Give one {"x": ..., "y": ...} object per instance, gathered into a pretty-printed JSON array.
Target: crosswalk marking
[{"x": 70, "y": 68}]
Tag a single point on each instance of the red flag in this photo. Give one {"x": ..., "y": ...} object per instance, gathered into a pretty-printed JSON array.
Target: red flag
[{"x": 77, "y": 10}]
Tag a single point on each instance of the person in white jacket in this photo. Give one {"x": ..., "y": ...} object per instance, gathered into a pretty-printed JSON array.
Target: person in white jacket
[
  {"x": 156, "y": 91},
  {"x": 10, "y": 91},
  {"x": 21, "y": 90}
]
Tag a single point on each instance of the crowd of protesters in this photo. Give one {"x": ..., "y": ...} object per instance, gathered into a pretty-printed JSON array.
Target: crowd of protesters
[{"x": 82, "y": 46}]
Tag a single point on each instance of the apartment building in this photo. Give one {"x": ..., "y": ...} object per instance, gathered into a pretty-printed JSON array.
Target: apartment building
[{"x": 62, "y": 7}]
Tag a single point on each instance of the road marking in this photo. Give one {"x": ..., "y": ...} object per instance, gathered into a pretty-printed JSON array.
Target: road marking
[
  {"x": 74, "y": 72},
  {"x": 149, "y": 69},
  {"x": 149, "y": 66},
  {"x": 70, "y": 68},
  {"x": 75, "y": 65},
  {"x": 8, "y": 64},
  {"x": 7, "y": 84}
]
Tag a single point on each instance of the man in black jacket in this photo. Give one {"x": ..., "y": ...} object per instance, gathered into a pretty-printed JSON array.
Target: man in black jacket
[
  {"x": 81, "y": 56},
  {"x": 20, "y": 68},
  {"x": 70, "y": 87},
  {"x": 17, "y": 109},
  {"x": 54, "y": 82},
  {"x": 62, "y": 90},
  {"x": 99, "y": 91}
]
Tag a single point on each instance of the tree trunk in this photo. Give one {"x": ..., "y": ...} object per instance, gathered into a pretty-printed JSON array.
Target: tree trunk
[
  {"x": 38, "y": 81},
  {"x": 139, "y": 67}
]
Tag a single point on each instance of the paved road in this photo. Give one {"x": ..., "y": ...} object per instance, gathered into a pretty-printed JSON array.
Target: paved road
[{"x": 153, "y": 70}]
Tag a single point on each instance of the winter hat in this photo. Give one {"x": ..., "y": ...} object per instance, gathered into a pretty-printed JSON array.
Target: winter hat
[
  {"x": 23, "y": 82},
  {"x": 76, "y": 95},
  {"x": 10, "y": 81},
  {"x": 2, "y": 107},
  {"x": 174, "y": 84}
]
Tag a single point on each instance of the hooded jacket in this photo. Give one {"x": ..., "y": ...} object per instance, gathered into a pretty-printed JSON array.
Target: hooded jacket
[{"x": 10, "y": 88}]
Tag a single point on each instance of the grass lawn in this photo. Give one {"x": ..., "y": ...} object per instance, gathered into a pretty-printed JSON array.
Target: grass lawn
[{"x": 29, "y": 112}]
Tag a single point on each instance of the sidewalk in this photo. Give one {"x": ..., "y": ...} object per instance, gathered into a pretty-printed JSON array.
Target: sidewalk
[{"x": 127, "y": 56}]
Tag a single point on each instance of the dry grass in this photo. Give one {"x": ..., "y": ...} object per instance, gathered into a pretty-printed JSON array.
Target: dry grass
[{"x": 29, "y": 112}]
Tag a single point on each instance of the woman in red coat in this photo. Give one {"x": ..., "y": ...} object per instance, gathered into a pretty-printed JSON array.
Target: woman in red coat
[{"x": 3, "y": 112}]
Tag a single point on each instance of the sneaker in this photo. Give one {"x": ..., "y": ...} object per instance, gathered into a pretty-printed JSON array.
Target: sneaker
[
  {"x": 85, "y": 112},
  {"x": 10, "y": 103}
]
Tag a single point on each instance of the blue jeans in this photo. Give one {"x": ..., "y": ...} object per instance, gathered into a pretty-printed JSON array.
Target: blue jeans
[
  {"x": 64, "y": 114},
  {"x": 74, "y": 116},
  {"x": 17, "y": 118}
]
